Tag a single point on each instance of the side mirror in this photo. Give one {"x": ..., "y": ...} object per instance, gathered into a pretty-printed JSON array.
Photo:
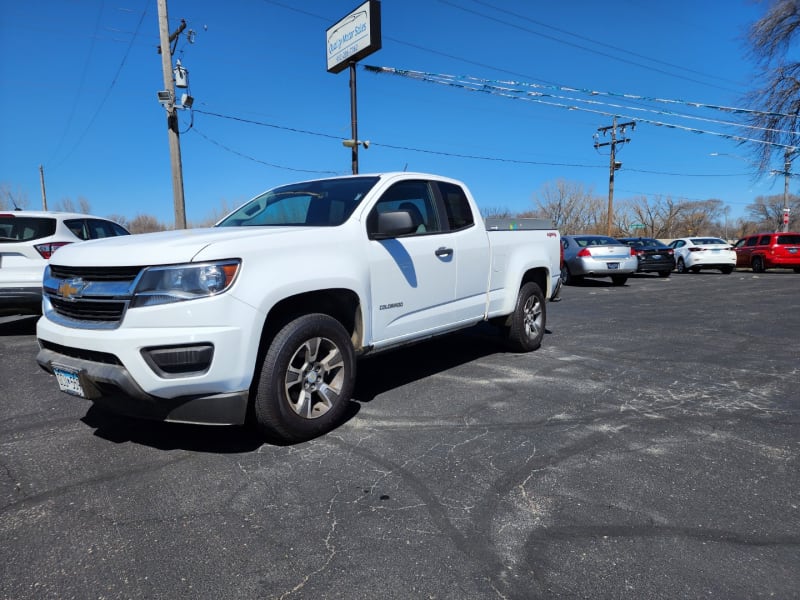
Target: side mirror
[{"x": 392, "y": 224}]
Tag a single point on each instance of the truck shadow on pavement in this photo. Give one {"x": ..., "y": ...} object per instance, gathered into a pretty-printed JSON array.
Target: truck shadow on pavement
[
  {"x": 228, "y": 439},
  {"x": 395, "y": 368},
  {"x": 376, "y": 375}
]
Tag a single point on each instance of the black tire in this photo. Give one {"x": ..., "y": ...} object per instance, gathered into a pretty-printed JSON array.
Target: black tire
[
  {"x": 680, "y": 267},
  {"x": 619, "y": 279},
  {"x": 525, "y": 326},
  {"x": 567, "y": 278},
  {"x": 306, "y": 380},
  {"x": 695, "y": 269},
  {"x": 726, "y": 270},
  {"x": 758, "y": 264},
  {"x": 797, "y": 269},
  {"x": 664, "y": 274}
]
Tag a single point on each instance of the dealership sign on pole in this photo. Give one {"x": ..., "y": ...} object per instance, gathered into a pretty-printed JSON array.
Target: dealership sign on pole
[
  {"x": 355, "y": 36},
  {"x": 349, "y": 40}
]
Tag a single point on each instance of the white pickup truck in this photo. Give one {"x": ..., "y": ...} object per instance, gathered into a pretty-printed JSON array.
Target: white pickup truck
[{"x": 261, "y": 318}]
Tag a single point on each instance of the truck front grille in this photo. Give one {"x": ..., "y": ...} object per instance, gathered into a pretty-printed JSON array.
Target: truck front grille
[
  {"x": 89, "y": 309},
  {"x": 88, "y": 297}
]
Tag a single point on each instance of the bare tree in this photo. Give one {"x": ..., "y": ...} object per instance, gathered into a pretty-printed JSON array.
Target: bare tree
[
  {"x": 777, "y": 96},
  {"x": 571, "y": 208},
  {"x": 766, "y": 212},
  {"x": 145, "y": 224}
]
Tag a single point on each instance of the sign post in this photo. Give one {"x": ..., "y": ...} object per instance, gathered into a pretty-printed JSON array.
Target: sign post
[{"x": 349, "y": 40}]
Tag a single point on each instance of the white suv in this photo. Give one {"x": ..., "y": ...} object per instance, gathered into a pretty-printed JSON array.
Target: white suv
[{"x": 27, "y": 240}]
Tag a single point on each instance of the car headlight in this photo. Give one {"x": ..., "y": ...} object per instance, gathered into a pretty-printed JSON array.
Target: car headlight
[{"x": 177, "y": 283}]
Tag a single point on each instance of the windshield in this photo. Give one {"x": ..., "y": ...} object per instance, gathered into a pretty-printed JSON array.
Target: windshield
[{"x": 321, "y": 203}]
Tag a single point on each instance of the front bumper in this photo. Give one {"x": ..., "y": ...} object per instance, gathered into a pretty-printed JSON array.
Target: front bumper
[{"x": 129, "y": 370}]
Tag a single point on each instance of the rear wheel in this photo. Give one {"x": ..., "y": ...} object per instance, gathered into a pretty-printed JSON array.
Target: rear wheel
[
  {"x": 758, "y": 264},
  {"x": 306, "y": 380},
  {"x": 619, "y": 279},
  {"x": 664, "y": 274},
  {"x": 797, "y": 269},
  {"x": 680, "y": 267},
  {"x": 727, "y": 270},
  {"x": 525, "y": 326},
  {"x": 567, "y": 278}
]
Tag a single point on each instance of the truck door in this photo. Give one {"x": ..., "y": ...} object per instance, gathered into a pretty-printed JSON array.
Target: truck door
[{"x": 413, "y": 276}]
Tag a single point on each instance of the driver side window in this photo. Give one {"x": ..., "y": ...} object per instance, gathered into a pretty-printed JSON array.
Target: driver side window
[{"x": 414, "y": 197}]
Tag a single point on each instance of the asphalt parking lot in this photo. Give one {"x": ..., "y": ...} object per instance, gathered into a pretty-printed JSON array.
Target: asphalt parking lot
[{"x": 649, "y": 449}]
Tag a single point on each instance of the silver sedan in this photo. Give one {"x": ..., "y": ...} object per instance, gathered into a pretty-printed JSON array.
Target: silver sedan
[{"x": 596, "y": 256}]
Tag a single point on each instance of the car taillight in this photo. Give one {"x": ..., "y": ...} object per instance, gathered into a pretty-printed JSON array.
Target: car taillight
[
  {"x": 696, "y": 249},
  {"x": 635, "y": 252},
  {"x": 46, "y": 250},
  {"x": 584, "y": 252},
  {"x": 671, "y": 252}
]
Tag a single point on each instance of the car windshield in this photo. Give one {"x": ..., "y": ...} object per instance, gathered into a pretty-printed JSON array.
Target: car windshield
[
  {"x": 707, "y": 241},
  {"x": 321, "y": 203}
]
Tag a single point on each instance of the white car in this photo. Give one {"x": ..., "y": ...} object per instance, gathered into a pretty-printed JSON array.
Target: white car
[
  {"x": 27, "y": 240},
  {"x": 695, "y": 253}
]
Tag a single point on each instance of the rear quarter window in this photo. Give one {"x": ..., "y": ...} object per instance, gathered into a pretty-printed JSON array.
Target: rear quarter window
[
  {"x": 25, "y": 229},
  {"x": 459, "y": 213}
]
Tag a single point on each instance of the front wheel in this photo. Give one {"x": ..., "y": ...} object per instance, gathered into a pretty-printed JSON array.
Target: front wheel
[
  {"x": 525, "y": 326},
  {"x": 306, "y": 380}
]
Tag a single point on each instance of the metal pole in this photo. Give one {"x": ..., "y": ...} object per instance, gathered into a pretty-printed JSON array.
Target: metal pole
[
  {"x": 353, "y": 117},
  {"x": 172, "y": 118}
]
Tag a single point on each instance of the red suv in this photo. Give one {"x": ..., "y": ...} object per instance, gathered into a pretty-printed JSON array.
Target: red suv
[{"x": 764, "y": 251}]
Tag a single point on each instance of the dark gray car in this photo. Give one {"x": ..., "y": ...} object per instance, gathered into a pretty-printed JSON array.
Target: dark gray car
[{"x": 653, "y": 256}]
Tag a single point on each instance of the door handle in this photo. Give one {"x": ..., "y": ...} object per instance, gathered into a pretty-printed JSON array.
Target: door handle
[{"x": 444, "y": 251}]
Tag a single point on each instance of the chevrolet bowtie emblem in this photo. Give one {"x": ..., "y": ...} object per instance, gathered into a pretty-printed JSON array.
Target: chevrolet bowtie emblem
[{"x": 70, "y": 289}]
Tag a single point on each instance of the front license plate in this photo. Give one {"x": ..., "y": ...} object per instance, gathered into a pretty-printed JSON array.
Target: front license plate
[
  {"x": 68, "y": 381},
  {"x": 612, "y": 265}
]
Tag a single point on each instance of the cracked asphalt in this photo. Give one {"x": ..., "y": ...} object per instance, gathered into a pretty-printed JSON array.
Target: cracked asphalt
[{"x": 649, "y": 449}]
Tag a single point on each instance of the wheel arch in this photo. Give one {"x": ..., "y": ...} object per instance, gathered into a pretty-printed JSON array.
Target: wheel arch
[{"x": 341, "y": 304}]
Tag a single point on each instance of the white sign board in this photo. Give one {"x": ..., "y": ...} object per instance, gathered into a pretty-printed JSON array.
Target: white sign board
[{"x": 354, "y": 37}]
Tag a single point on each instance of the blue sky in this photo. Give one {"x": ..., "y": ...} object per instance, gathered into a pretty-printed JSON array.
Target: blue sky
[{"x": 79, "y": 78}]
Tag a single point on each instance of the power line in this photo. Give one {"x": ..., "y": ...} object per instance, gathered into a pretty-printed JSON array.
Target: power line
[
  {"x": 599, "y": 43},
  {"x": 544, "y": 35},
  {"x": 423, "y": 150},
  {"x": 108, "y": 90},
  {"x": 451, "y": 81}
]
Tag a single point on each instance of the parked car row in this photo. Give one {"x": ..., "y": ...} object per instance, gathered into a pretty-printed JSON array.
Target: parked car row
[
  {"x": 618, "y": 258},
  {"x": 27, "y": 240}
]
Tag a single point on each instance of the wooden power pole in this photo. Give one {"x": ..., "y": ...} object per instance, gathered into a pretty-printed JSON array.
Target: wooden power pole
[
  {"x": 613, "y": 164},
  {"x": 172, "y": 116}
]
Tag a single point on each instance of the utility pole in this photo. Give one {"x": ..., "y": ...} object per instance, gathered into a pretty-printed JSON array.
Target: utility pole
[
  {"x": 172, "y": 113},
  {"x": 44, "y": 194},
  {"x": 787, "y": 165},
  {"x": 613, "y": 164}
]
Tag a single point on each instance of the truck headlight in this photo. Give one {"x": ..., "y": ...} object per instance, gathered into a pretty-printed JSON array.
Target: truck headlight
[{"x": 176, "y": 283}]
